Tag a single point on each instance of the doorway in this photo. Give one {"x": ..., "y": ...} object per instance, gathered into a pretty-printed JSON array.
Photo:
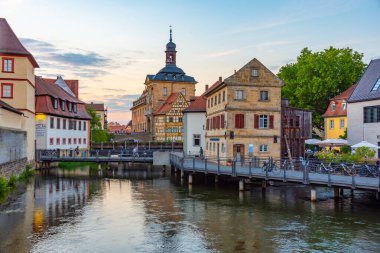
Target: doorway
[{"x": 239, "y": 152}]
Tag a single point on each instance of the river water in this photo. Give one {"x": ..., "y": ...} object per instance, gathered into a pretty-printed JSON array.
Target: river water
[{"x": 149, "y": 211}]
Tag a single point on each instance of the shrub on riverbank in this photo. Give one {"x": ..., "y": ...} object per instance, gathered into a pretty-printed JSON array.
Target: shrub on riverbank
[
  {"x": 74, "y": 165},
  {"x": 8, "y": 185},
  {"x": 361, "y": 154}
]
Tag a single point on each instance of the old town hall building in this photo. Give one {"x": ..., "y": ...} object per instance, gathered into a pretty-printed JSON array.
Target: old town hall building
[{"x": 156, "y": 95}]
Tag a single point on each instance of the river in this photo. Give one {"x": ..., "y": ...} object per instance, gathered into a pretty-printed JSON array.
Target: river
[{"x": 146, "y": 210}]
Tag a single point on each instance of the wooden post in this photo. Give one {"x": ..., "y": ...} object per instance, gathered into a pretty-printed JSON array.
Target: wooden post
[
  {"x": 241, "y": 185},
  {"x": 182, "y": 173},
  {"x": 336, "y": 192},
  {"x": 190, "y": 178},
  {"x": 264, "y": 184}
]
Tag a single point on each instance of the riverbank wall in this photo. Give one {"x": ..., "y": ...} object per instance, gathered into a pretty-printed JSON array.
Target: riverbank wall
[{"x": 15, "y": 167}]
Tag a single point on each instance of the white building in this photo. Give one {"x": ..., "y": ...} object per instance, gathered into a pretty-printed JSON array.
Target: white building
[
  {"x": 195, "y": 126},
  {"x": 62, "y": 121},
  {"x": 363, "y": 108}
]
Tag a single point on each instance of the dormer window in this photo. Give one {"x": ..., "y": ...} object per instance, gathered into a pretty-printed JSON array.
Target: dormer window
[
  {"x": 70, "y": 107},
  {"x": 63, "y": 105},
  {"x": 333, "y": 107},
  {"x": 255, "y": 72},
  {"x": 183, "y": 91},
  {"x": 75, "y": 108},
  {"x": 55, "y": 103},
  {"x": 8, "y": 65},
  {"x": 377, "y": 85},
  {"x": 344, "y": 106}
]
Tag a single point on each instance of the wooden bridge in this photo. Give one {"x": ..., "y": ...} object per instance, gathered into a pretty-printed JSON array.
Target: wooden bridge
[{"x": 253, "y": 169}]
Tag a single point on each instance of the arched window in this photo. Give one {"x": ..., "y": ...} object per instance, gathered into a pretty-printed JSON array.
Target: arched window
[{"x": 169, "y": 130}]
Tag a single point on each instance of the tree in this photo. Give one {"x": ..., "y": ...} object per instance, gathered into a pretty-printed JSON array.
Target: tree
[
  {"x": 317, "y": 77},
  {"x": 97, "y": 133}
]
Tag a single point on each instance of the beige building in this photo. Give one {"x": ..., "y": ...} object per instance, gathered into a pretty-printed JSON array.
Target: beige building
[
  {"x": 101, "y": 112},
  {"x": 244, "y": 114},
  {"x": 17, "y": 84},
  {"x": 158, "y": 88}
]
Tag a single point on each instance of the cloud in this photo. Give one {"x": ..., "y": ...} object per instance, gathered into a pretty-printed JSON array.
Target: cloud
[
  {"x": 222, "y": 53},
  {"x": 117, "y": 103},
  {"x": 118, "y": 90},
  {"x": 78, "y": 62}
]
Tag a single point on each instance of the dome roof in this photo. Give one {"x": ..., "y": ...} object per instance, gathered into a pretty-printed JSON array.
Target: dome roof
[
  {"x": 170, "y": 46},
  {"x": 171, "y": 69}
]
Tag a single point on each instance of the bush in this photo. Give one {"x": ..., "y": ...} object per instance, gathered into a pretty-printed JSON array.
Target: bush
[
  {"x": 345, "y": 149},
  {"x": 365, "y": 153},
  {"x": 328, "y": 156},
  {"x": 27, "y": 173},
  {"x": 4, "y": 187},
  {"x": 12, "y": 181}
]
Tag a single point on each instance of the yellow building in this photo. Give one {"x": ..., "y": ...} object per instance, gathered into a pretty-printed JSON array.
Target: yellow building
[
  {"x": 101, "y": 112},
  {"x": 169, "y": 119},
  {"x": 158, "y": 88},
  {"x": 244, "y": 114},
  {"x": 17, "y": 83},
  {"x": 336, "y": 115}
]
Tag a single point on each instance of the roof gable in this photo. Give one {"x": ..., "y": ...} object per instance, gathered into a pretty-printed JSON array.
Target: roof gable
[
  {"x": 363, "y": 90},
  {"x": 168, "y": 104},
  {"x": 198, "y": 105}
]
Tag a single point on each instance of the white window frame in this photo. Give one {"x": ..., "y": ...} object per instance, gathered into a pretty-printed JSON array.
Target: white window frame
[
  {"x": 183, "y": 91},
  {"x": 333, "y": 107},
  {"x": 342, "y": 125},
  {"x": 196, "y": 137},
  {"x": 332, "y": 124},
  {"x": 239, "y": 95},
  {"x": 262, "y": 97},
  {"x": 263, "y": 148},
  {"x": 165, "y": 91},
  {"x": 8, "y": 65},
  {"x": 255, "y": 72},
  {"x": 264, "y": 121}
]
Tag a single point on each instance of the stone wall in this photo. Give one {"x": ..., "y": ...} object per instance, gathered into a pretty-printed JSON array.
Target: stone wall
[
  {"x": 13, "y": 145},
  {"x": 13, "y": 168}
]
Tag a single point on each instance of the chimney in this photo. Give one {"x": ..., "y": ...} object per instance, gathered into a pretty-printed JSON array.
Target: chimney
[
  {"x": 206, "y": 87},
  {"x": 220, "y": 79},
  {"x": 234, "y": 71}
]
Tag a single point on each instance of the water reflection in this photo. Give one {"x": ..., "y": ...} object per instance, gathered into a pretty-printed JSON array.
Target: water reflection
[{"x": 143, "y": 210}]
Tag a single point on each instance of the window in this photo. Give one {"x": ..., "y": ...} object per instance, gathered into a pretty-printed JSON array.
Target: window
[
  {"x": 70, "y": 107},
  {"x": 74, "y": 125},
  {"x": 180, "y": 119},
  {"x": 196, "y": 140},
  {"x": 80, "y": 140},
  {"x": 174, "y": 130},
  {"x": 51, "y": 141},
  {"x": 372, "y": 114},
  {"x": 263, "y": 148},
  {"x": 224, "y": 95},
  {"x": 219, "y": 98},
  {"x": 63, "y": 105},
  {"x": 239, "y": 120},
  {"x": 223, "y": 148},
  {"x": 169, "y": 130},
  {"x": 255, "y": 72},
  {"x": 341, "y": 123},
  {"x": 170, "y": 119},
  {"x": 213, "y": 146},
  {"x": 58, "y": 123},
  {"x": 8, "y": 65},
  {"x": 64, "y": 124},
  {"x": 75, "y": 140},
  {"x": 63, "y": 141},
  {"x": 208, "y": 103},
  {"x": 69, "y": 141},
  {"x": 51, "y": 123},
  {"x": 58, "y": 141},
  {"x": 216, "y": 99},
  {"x": 84, "y": 140},
  {"x": 222, "y": 125},
  {"x": 55, "y": 103},
  {"x": 333, "y": 107},
  {"x": 181, "y": 131},
  {"x": 165, "y": 91},
  {"x": 7, "y": 90},
  {"x": 212, "y": 102},
  {"x": 263, "y": 121},
  {"x": 75, "y": 108},
  {"x": 80, "y": 125},
  {"x": 264, "y": 95},
  {"x": 377, "y": 85},
  {"x": 183, "y": 91},
  {"x": 344, "y": 106},
  {"x": 239, "y": 95},
  {"x": 331, "y": 124}
]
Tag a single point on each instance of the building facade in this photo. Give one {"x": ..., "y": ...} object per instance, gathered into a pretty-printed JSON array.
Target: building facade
[
  {"x": 101, "y": 112},
  {"x": 364, "y": 108},
  {"x": 168, "y": 119},
  {"x": 336, "y": 115},
  {"x": 296, "y": 128},
  {"x": 158, "y": 88},
  {"x": 62, "y": 121},
  {"x": 17, "y": 85},
  {"x": 244, "y": 114},
  {"x": 194, "y": 126}
]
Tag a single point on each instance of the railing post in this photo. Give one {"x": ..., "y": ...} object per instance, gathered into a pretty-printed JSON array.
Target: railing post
[
  {"x": 284, "y": 167},
  {"x": 307, "y": 172},
  {"x": 193, "y": 163},
  {"x": 353, "y": 186},
  {"x": 329, "y": 176},
  {"x": 304, "y": 173},
  {"x": 218, "y": 166},
  {"x": 250, "y": 168},
  {"x": 205, "y": 164},
  {"x": 267, "y": 170},
  {"x": 378, "y": 175}
]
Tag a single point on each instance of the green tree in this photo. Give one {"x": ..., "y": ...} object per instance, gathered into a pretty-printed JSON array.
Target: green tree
[
  {"x": 317, "y": 77},
  {"x": 97, "y": 133},
  {"x": 344, "y": 136}
]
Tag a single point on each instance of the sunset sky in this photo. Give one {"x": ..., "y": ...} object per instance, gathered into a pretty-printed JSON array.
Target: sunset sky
[{"x": 110, "y": 46}]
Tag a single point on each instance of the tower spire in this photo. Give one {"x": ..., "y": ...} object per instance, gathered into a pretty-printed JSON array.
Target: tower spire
[{"x": 170, "y": 33}]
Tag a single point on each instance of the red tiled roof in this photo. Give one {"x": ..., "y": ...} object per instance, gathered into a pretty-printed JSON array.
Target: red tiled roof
[
  {"x": 168, "y": 104},
  {"x": 44, "y": 93},
  {"x": 96, "y": 107},
  {"x": 7, "y": 107},
  {"x": 339, "y": 100},
  {"x": 198, "y": 105},
  {"x": 73, "y": 85},
  {"x": 10, "y": 44},
  {"x": 214, "y": 86}
]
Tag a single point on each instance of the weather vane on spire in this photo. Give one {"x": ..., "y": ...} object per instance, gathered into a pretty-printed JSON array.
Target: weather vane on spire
[{"x": 170, "y": 33}]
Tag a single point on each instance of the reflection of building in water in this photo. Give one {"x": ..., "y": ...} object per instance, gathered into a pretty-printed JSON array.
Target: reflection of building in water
[{"x": 59, "y": 198}]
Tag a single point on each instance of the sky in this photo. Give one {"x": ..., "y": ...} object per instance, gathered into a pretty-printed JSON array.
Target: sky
[{"x": 110, "y": 46}]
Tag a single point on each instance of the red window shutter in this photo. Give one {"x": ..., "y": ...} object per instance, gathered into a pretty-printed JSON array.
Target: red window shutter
[
  {"x": 237, "y": 120},
  {"x": 207, "y": 124},
  {"x": 241, "y": 120},
  {"x": 256, "y": 121},
  {"x": 222, "y": 121},
  {"x": 271, "y": 121}
]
